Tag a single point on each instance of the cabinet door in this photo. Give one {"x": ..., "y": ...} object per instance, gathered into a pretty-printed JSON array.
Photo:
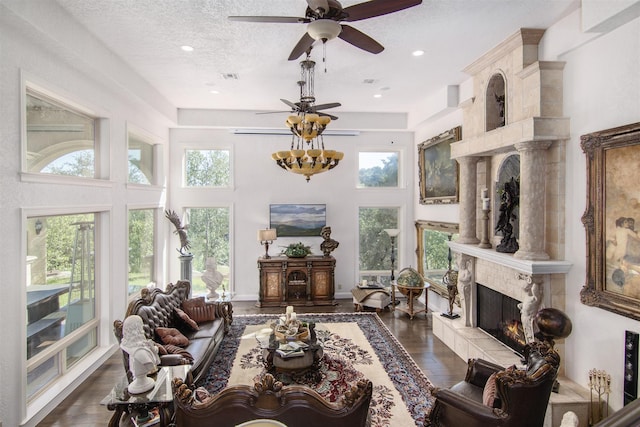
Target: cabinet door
[
  {"x": 271, "y": 285},
  {"x": 321, "y": 285}
]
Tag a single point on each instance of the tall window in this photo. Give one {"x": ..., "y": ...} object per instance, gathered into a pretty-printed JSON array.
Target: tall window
[
  {"x": 209, "y": 230},
  {"x": 60, "y": 139},
  {"x": 377, "y": 169},
  {"x": 141, "y": 249},
  {"x": 61, "y": 299},
  {"x": 207, "y": 168},
  {"x": 375, "y": 243},
  {"x": 141, "y": 160}
]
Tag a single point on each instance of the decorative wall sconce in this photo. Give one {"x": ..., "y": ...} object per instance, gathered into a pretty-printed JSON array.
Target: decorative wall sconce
[
  {"x": 266, "y": 237},
  {"x": 38, "y": 226}
]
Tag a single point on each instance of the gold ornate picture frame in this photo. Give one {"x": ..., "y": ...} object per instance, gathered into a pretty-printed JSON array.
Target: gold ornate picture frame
[
  {"x": 613, "y": 206},
  {"x": 438, "y": 173},
  {"x": 433, "y": 252}
]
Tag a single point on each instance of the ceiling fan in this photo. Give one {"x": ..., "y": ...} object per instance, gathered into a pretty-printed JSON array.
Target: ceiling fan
[
  {"x": 324, "y": 19},
  {"x": 307, "y": 102}
]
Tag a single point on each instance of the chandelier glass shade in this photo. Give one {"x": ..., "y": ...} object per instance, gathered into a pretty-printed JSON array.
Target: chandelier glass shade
[{"x": 307, "y": 155}]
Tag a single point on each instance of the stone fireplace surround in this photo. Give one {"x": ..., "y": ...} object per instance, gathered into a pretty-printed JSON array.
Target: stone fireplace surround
[{"x": 535, "y": 130}]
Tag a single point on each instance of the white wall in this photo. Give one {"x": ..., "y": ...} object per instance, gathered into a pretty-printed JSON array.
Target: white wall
[
  {"x": 40, "y": 43},
  {"x": 602, "y": 90},
  {"x": 259, "y": 182}
]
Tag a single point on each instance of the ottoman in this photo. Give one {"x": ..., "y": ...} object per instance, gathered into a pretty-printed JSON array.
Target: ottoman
[{"x": 377, "y": 299}]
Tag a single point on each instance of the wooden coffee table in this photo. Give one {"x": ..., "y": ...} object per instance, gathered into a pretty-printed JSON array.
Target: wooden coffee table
[{"x": 310, "y": 360}]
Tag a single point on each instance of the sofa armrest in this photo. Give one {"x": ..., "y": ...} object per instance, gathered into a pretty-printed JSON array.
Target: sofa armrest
[
  {"x": 479, "y": 370},
  {"x": 453, "y": 409},
  {"x": 224, "y": 310}
]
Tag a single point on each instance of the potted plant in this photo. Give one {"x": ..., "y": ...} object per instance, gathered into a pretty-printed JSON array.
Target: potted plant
[{"x": 297, "y": 250}]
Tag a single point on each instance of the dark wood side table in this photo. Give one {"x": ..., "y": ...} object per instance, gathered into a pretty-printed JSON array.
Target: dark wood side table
[{"x": 160, "y": 396}]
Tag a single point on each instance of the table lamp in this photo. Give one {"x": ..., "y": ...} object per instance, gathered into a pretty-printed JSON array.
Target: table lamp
[{"x": 266, "y": 237}]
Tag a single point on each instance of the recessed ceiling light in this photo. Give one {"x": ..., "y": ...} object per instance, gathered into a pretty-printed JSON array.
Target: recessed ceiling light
[
  {"x": 377, "y": 95},
  {"x": 417, "y": 53},
  {"x": 187, "y": 48},
  {"x": 215, "y": 92}
]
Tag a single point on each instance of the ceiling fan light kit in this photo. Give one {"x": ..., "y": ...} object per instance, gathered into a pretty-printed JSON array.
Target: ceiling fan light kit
[
  {"x": 324, "y": 19},
  {"x": 324, "y": 29}
]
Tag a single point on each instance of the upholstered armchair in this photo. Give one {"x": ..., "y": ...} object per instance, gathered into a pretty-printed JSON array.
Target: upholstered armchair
[{"x": 492, "y": 396}]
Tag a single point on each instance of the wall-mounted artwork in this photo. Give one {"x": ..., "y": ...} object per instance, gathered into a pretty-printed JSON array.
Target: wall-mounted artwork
[
  {"x": 438, "y": 173},
  {"x": 613, "y": 207},
  {"x": 293, "y": 220}
]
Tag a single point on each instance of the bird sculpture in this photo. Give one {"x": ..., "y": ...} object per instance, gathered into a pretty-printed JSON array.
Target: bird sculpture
[{"x": 180, "y": 230}]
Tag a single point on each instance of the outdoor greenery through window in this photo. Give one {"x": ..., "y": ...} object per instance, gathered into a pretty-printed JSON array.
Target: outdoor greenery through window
[
  {"x": 141, "y": 249},
  {"x": 208, "y": 168},
  {"x": 209, "y": 237},
  {"x": 60, "y": 295},
  {"x": 60, "y": 140},
  {"x": 141, "y": 160},
  {"x": 375, "y": 243},
  {"x": 377, "y": 169}
]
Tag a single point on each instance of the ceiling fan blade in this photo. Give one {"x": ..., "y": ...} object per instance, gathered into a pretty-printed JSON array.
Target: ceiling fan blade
[
  {"x": 325, "y": 106},
  {"x": 291, "y": 104},
  {"x": 273, "y": 112},
  {"x": 360, "y": 39},
  {"x": 274, "y": 19},
  {"x": 328, "y": 115},
  {"x": 315, "y": 5},
  {"x": 304, "y": 44},
  {"x": 373, "y": 8}
]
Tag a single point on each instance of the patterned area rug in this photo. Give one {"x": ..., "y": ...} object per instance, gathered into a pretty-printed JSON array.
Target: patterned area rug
[{"x": 356, "y": 345}]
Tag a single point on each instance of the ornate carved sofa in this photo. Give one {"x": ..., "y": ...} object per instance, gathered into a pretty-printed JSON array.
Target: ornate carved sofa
[
  {"x": 293, "y": 405},
  {"x": 162, "y": 310}
]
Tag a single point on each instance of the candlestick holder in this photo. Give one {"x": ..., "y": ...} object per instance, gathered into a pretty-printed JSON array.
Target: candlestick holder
[{"x": 484, "y": 243}]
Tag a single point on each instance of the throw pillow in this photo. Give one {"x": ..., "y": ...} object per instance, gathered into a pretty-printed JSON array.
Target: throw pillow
[
  {"x": 186, "y": 319},
  {"x": 204, "y": 313},
  {"x": 193, "y": 302},
  {"x": 178, "y": 351},
  {"x": 489, "y": 392},
  {"x": 172, "y": 336}
]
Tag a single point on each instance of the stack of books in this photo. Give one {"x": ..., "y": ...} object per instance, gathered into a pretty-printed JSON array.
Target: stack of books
[{"x": 292, "y": 349}]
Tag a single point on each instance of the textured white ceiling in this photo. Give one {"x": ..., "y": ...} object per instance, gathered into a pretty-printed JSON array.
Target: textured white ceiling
[{"x": 147, "y": 34}]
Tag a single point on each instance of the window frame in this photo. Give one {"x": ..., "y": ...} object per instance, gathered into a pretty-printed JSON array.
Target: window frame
[
  {"x": 398, "y": 244},
  {"x": 101, "y": 162},
  {"x": 57, "y": 350},
  {"x": 157, "y": 263},
  {"x": 156, "y": 146},
  {"x": 207, "y": 147},
  {"x": 400, "y": 181}
]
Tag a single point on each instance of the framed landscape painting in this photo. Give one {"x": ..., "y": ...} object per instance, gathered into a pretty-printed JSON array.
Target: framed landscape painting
[
  {"x": 613, "y": 207},
  {"x": 292, "y": 220},
  {"x": 438, "y": 173}
]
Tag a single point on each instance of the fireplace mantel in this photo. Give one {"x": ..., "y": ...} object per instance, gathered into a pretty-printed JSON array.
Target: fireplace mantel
[{"x": 509, "y": 261}]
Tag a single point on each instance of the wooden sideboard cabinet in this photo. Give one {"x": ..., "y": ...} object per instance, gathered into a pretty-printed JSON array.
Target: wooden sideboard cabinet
[{"x": 296, "y": 281}]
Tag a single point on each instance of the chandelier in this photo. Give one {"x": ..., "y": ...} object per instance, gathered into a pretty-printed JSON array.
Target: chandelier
[{"x": 307, "y": 155}]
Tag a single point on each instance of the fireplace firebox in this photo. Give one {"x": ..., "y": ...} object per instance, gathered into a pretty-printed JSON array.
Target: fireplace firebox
[{"x": 499, "y": 316}]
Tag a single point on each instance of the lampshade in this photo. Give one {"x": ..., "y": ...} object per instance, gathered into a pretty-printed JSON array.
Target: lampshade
[
  {"x": 268, "y": 234},
  {"x": 392, "y": 232}
]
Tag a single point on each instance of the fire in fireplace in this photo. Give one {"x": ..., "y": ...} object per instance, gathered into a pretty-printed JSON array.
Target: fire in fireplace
[{"x": 499, "y": 316}]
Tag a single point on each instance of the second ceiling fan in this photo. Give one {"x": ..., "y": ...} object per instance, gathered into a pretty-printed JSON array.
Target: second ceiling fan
[{"x": 325, "y": 17}]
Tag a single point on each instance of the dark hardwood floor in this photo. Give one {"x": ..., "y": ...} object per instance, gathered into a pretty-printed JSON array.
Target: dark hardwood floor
[{"x": 441, "y": 365}]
